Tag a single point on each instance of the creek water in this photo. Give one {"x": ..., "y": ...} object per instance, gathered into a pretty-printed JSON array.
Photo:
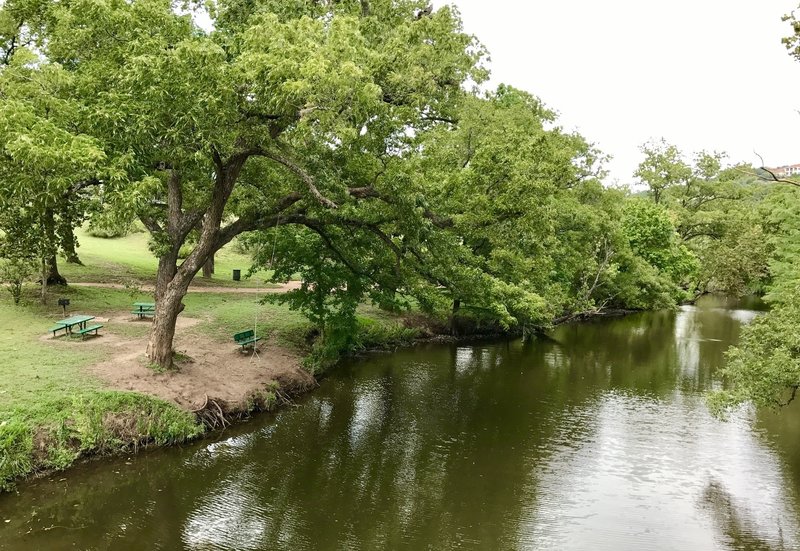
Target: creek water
[{"x": 596, "y": 437}]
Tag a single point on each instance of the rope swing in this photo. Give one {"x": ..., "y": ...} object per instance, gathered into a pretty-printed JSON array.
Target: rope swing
[{"x": 272, "y": 266}]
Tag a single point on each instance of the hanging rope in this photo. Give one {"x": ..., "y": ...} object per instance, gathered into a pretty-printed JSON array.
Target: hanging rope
[
  {"x": 255, "y": 317},
  {"x": 275, "y": 243}
]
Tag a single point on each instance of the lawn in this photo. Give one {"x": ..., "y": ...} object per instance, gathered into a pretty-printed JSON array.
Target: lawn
[
  {"x": 35, "y": 372},
  {"x": 129, "y": 260}
]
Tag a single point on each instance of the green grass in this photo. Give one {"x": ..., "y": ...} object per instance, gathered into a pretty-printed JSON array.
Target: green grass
[
  {"x": 51, "y": 410},
  {"x": 234, "y": 313},
  {"x": 33, "y": 370},
  {"x": 125, "y": 259}
]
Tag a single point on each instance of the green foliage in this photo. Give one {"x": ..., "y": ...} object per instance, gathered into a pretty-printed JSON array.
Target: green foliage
[
  {"x": 780, "y": 210},
  {"x": 714, "y": 211},
  {"x": 366, "y": 334},
  {"x": 14, "y": 272},
  {"x": 764, "y": 368},
  {"x": 662, "y": 168},
  {"x": 653, "y": 237}
]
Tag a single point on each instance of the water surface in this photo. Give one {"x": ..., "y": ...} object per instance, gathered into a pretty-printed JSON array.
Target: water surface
[{"x": 595, "y": 438}]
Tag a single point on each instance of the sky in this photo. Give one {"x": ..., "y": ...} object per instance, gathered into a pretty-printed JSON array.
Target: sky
[{"x": 703, "y": 74}]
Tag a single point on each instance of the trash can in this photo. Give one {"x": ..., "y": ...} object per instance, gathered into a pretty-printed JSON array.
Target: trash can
[{"x": 237, "y": 275}]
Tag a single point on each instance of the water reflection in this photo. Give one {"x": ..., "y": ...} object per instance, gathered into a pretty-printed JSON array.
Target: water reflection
[{"x": 594, "y": 438}]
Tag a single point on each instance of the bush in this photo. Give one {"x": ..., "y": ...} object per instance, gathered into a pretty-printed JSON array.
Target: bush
[
  {"x": 367, "y": 335},
  {"x": 15, "y": 272}
]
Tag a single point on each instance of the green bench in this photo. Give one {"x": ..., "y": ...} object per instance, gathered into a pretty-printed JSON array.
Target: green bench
[
  {"x": 87, "y": 330},
  {"x": 57, "y": 328},
  {"x": 144, "y": 309},
  {"x": 246, "y": 339},
  {"x": 144, "y": 313}
]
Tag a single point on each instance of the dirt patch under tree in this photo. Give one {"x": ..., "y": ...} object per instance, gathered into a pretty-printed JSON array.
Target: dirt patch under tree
[{"x": 208, "y": 369}]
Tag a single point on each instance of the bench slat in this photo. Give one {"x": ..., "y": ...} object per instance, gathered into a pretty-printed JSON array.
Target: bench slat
[{"x": 89, "y": 329}]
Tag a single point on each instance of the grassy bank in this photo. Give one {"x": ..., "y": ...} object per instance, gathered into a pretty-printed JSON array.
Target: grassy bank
[{"x": 52, "y": 411}]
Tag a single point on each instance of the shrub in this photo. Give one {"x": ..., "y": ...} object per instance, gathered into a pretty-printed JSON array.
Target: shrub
[{"x": 15, "y": 272}]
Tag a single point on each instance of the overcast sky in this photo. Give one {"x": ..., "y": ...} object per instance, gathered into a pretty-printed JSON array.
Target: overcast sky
[{"x": 703, "y": 74}]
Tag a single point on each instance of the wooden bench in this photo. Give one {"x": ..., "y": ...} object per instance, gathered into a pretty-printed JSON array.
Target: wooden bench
[
  {"x": 246, "y": 339},
  {"x": 86, "y": 330}
]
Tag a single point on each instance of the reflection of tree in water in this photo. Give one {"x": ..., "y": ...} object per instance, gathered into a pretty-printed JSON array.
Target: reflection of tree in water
[{"x": 738, "y": 529}]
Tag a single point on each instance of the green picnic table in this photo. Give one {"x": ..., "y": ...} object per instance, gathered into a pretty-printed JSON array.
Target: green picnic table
[
  {"x": 70, "y": 324},
  {"x": 143, "y": 309}
]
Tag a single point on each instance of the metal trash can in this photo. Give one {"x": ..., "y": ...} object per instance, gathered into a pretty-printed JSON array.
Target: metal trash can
[{"x": 237, "y": 275}]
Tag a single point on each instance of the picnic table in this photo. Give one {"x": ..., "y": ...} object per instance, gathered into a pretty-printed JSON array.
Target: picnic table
[
  {"x": 143, "y": 309},
  {"x": 70, "y": 324}
]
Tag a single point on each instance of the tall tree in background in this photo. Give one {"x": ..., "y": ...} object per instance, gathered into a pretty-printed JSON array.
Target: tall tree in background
[{"x": 662, "y": 168}]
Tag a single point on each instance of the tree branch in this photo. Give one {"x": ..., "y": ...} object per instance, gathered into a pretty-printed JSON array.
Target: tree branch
[
  {"x": 174, "y": 202},
  {"x": 245, "y": 224},
  {"x": 151, "y": 224},
  {"x": 369, "y": 192},
  {"x": 302, "y": 174},
  {"x": 773, "y": 177}
]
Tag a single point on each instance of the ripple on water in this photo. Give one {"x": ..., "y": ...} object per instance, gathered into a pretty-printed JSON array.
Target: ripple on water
[{"x": 646, "y": 467}]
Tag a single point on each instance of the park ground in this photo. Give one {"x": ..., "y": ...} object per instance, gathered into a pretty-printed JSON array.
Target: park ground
[{"x": 63, "y": 399}]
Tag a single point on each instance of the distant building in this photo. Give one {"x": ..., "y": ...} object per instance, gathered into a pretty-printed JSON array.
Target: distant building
[{"x": 785, "y": 171}]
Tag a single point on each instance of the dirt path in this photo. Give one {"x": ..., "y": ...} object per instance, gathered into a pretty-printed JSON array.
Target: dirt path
[{"x": 205, "y": 289}]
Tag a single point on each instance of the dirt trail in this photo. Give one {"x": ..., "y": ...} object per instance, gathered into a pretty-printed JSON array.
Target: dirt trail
[{"x": 204, "y": 289}]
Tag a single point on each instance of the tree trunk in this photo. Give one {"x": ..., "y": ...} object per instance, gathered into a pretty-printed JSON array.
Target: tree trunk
[
  {"x": 68, "y": 242},
  {"x": 456, "y": 308},
  {"x": 53, "y": 276},
  {"x": 172, "y": 281},
  {"x": 44, "y": 281},
  {"x": 159, "y": 348},
  {"x": 208, "y": 267},
  {"x": 168, "y": 305},
  {"x": 50, "y": 259}
]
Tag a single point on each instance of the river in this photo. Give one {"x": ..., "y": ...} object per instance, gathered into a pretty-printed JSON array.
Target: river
[{"x": 595, "y": 438}]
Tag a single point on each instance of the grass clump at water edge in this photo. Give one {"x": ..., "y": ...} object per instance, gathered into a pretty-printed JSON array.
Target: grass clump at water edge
[{"x": 55, "y": 434}]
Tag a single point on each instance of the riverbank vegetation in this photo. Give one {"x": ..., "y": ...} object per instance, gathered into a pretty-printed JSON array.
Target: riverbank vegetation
[{"x": 349, "y": 145}]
